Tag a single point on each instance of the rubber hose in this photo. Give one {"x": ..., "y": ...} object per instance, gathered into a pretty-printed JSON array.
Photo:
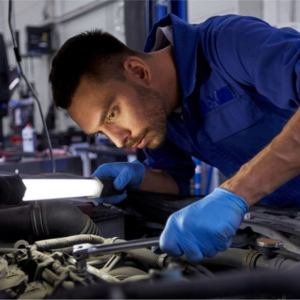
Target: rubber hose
[
  {"x": 143, "y": 254},
  {"x": 44, "y": 219},
  {"x": 7, "y": 251},
  {"x": 89, "y": 228},
  {"x": 15, "y": 222},
  {"x": 248, "y": 259},
  {"x": 56, "y": 219},
  {"x": 67, "y": 242}
]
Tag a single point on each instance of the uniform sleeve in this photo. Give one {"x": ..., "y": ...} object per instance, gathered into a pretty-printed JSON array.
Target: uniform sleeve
[
  {"x": 174, "y": 161},
  {"x": 258, "y": 55}
]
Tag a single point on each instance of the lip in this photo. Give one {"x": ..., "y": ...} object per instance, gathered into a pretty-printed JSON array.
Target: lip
[{"x": 142, "y": 143}]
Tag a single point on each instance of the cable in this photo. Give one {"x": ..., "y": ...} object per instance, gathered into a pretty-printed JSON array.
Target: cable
[{"x": 18, "y": 58}]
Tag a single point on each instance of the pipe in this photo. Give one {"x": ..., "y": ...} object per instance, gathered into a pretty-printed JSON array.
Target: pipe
[
  {"x": 179, "y": 8},
  {"x": 44, "y": 219},
  {"x": 91, "y": 6},
  {"x": 159, "y": 261},
  {"x": 67, "y": 242},
  {"x": 161, "y": 9},
  {"x": 248, "y": 259}
]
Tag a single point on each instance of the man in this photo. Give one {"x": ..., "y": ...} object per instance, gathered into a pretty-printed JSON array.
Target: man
[{"x": 225, "y": 91}]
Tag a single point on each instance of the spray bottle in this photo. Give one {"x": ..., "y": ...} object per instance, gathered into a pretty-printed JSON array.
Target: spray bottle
[{"x": 29, "y": 138}]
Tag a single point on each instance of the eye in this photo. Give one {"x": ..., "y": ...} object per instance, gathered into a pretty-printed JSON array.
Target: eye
[{"x": 111, "y": 116}]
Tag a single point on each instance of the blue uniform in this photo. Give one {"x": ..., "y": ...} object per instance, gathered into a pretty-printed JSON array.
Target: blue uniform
[{"x": 239, "y": 85}]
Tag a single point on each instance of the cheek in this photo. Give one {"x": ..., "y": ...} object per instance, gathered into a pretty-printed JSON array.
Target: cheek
[
  {"x": 135, "y": 124},
  {"x": 134, "y": 118}
]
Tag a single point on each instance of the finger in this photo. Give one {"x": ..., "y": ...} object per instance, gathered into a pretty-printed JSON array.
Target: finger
[
  {"x": 168, "y": 243},
  {"x": 222, "y": 246},
  {"x": 122, "y": 179},
  {"x": 106, "y": 170},
  {"x": 192, "y": 251},
  {"x": 213, "y": 249},
  {"x": 209, "y": 251}
]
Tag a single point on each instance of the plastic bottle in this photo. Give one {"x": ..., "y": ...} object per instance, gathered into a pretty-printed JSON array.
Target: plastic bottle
[{"x": 29, "y": 138}]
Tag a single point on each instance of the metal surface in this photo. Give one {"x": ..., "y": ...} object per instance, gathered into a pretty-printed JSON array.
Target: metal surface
[
  {"x": 84, "y": 251},
  {"x": 269, "y": 243}
]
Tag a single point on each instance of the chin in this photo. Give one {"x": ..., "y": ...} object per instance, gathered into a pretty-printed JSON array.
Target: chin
[{"x": 155, "y": 144}]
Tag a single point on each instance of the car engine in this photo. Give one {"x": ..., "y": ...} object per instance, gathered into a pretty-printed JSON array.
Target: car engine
[{"x": 54, "y": 250}]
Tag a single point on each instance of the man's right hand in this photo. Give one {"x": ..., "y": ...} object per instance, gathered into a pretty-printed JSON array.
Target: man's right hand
[
  {"x": 204, "y": 227},
  {"x": 126, "y": 175}
]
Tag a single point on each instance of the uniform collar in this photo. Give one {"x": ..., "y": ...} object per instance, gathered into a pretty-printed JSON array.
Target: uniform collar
[{"x": 185, "y": 50}]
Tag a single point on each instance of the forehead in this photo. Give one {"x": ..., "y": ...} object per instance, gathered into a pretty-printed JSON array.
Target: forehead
[
  {"x": 92, "y": 99},
  {"x": 87, "y": 104}
]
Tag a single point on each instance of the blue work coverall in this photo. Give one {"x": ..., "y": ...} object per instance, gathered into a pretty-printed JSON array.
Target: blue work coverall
[{"x": 239, "y": 83}]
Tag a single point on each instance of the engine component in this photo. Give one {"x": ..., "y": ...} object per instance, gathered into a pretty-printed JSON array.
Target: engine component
[
  {"x": 45, "y": 219},
  {"x": 38, "y": 272},
  {"x": 47, "y": 269},
  {"x": 267, "y": 247}
]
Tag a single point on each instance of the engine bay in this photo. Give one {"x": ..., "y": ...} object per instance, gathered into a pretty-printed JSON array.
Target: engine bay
[{"x": 41, "y": 259}]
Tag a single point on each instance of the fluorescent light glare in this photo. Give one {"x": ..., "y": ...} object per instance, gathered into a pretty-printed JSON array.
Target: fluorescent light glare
[
  {"x": 43, "y": 189},
  {"x": 14, "y": 83}
]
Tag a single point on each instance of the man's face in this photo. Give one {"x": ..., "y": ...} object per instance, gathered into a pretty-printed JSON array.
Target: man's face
[{"x": 129, "y": 114}]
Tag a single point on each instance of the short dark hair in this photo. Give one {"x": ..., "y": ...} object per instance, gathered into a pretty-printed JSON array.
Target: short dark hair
[{"x": 95, "y": 54}]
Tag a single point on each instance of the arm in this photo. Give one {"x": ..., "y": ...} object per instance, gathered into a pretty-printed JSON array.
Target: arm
[
  {"x": 158, "y": 181},
  {"x": 272, "y": 167},
  {"x": 135, "y": 175},
  {"x": 206, "y": 227},
  {"x": 169, "y": 169},
  {"x": 166, "y": 170},
  {"x": 266, "y": 58}
]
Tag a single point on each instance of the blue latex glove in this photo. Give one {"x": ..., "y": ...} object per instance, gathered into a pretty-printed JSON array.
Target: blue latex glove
[
  {"x": 126, "y": 174},
  {"x": 204, "y": 227}
]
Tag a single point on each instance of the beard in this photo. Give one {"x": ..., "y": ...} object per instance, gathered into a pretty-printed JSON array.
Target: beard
[{"x": 154, "y": 114}]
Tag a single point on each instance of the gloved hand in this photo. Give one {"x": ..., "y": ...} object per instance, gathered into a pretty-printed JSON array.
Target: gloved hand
[
  {"x": 204, "y": 227},
  {"x": 126, "y": 174}
]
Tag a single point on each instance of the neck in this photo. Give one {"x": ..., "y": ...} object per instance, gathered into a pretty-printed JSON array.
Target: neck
[{"x": 164, "y": 77}]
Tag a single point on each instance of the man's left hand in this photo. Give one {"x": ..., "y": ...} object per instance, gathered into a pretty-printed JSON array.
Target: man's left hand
[{"x": 204, "y": 227}]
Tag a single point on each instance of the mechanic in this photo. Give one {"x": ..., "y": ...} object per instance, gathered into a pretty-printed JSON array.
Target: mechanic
[{"x": 225, "y": 91}]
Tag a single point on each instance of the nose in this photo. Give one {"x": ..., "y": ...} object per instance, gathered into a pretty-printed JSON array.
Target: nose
[{"x": 118, "y": 136}]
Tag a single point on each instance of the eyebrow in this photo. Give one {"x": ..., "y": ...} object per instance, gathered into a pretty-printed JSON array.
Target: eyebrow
[{"x": 103, "y": 115}]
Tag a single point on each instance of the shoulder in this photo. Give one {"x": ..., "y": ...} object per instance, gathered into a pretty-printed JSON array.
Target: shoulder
[{"x": 233, "y": 22}]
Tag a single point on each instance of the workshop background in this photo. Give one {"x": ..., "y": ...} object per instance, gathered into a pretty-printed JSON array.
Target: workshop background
[
  {"x": 54, "y": 21},
  {"x": 77, "y": 248}
]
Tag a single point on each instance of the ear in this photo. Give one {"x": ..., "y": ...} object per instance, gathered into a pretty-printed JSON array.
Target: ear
[{"x": 137, "y": 70}]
